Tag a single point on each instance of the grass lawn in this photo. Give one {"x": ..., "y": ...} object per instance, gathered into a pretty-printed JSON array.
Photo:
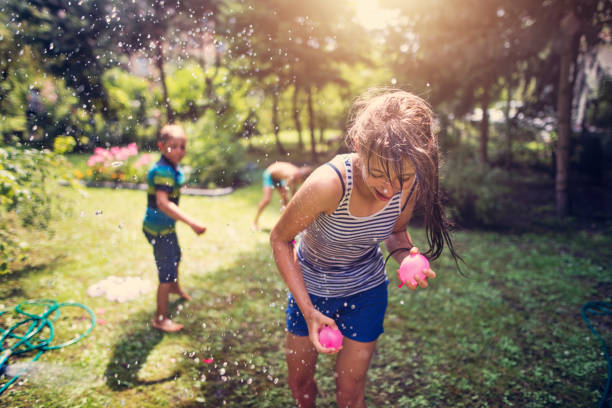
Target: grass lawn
[{"x": 508, "y": 334}]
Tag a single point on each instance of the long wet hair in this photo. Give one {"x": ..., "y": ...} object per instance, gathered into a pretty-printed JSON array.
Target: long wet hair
[{"x": 392, "y": 126}]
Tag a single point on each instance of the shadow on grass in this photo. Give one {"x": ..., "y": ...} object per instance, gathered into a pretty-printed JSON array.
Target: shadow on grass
[
  {"x": 236, "y": 318},
  {"x": 10, "y": 284},
  {"x": 131, "y": 352},
  {"x": 227, "y": 300},
  {"x": 241, "y": 304},
  {"x": 243, "y": 308}
]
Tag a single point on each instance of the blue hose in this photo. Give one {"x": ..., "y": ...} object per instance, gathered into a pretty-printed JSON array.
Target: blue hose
[
  {"x": 604, "y": 309},
  {"x": 33, "y": 340}
]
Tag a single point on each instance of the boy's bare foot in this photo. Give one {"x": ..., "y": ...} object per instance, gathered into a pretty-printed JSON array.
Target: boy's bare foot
[
  {"x": 166, "y": 325},
  {"x": 254, "y": 227}
]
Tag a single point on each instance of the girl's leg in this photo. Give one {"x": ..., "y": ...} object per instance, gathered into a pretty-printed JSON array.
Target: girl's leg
[
  {"x": 301, "y": 361},
  {"x": 267, "y": 195},
  {"x": 351, "y": 369}
]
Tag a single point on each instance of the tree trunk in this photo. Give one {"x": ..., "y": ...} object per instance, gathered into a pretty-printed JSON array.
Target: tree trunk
[
  {"x": 568, "y": 48},
  {"x": 311, "y": 124},
  {"x": 296, "y": 117},
  {"x": 484, "y": 124},
  {"x": 509, "y": 86},
  {"x": 159, "y": 61},
  {"x": 275, "y": 124},
  {"x": 443, "y": 137}
]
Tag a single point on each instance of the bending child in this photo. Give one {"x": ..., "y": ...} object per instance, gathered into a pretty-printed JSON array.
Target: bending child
[
  {"x": 281, "y": 176},
  {"x": 345, "y": 209},
  {"x": 165, "y": 180}
]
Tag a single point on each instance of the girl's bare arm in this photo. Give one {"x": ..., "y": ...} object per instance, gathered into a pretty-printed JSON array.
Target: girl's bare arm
[{"x": 319, "y": 194}]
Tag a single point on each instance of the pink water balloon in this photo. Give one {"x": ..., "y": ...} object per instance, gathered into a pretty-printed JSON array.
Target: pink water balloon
[
  {"x": 412, "y": 265},
  {"x": 330, "y": 338}
]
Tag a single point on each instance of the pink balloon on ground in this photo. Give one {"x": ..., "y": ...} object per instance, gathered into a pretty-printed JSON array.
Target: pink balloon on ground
[
  {"x": 330, "y": 338},
  {"x": 413, "y": 265}
]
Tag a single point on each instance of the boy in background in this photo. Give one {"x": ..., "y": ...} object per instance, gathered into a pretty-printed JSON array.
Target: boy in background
[
  {"x": 165, "y": 180},
  {"x": 281, "y": 176}
]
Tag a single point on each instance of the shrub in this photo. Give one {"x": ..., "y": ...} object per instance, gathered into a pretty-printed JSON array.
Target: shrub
[
  {"x": 477, "y": 195},
  {"x": 29, "y": 196},
  {"x": 64, "y": 144},
  {"x": 134, "y": 105},
  {"x": 214, "y": 151}
]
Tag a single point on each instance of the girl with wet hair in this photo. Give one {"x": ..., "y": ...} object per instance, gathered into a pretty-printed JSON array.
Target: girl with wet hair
[{"x": 344, "y": 210}]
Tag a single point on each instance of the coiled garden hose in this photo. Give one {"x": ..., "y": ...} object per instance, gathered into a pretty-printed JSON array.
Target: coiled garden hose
[
  {"x": 32, "y": 339},
  {"x": 604, "y": 309}
]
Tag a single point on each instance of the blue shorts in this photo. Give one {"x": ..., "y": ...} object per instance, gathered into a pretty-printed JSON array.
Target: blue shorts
[
  {"x": 167, "y": 254},
  {"x": 269, "y": 181},
  {"x": 359, "y": 317}
]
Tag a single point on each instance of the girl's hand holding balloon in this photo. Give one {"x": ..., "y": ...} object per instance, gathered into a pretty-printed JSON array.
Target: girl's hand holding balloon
[
  {"x": 318, "y": 323},
  {"x": 414, "y": 270},
  {"x": 330, "y": 338}
]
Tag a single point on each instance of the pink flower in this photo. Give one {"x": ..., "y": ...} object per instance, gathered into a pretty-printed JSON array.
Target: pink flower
[
  {"x": 95, "y": 159},
  {"x": 116, "y": 153},
  {"x": 121, "y": 154},
  {"x": 98, "y": 151},
  {"x": 132, "y": 149},
  {"x": 143, "y": 160}
]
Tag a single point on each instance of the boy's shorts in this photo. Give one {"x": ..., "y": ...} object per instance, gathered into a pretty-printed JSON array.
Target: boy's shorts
[
  {"x": 167, "y": 254},
  {"x": 359, "y": 317},
  {"x": 269, "y": 181}
]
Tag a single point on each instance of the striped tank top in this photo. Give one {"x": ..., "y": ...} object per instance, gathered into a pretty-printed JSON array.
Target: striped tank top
[{"x": 339, "y": 253}]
